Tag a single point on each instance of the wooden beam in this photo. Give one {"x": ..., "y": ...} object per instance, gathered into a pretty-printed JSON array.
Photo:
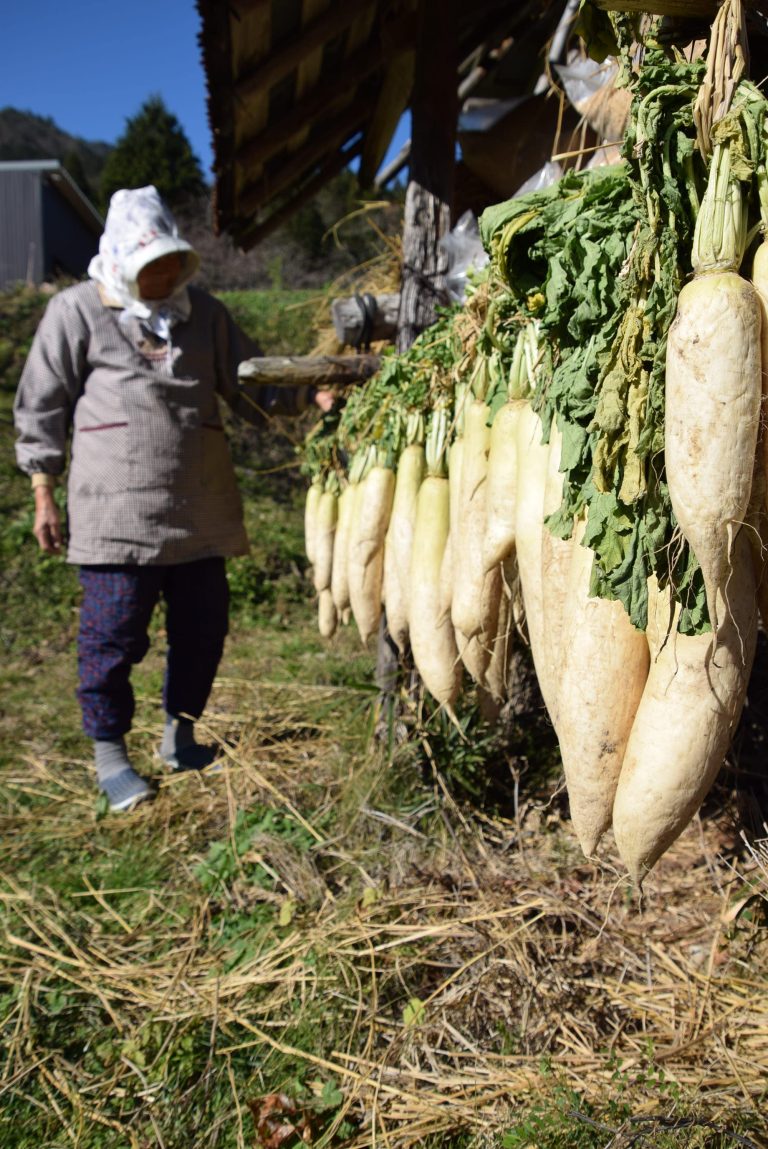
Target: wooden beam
[
  {"x": 277, "y": 65},
  {"x": 248, "y": 236},
  {"x": 392, "y": 102},
  {"x": 305, "y": 370},
  {"x": 254, "y": 196},
  {"x": 706, "y": 8},
  {"x": 310, "y": 107},
  {"x": 242, "y": 8},
  {"x": 429, "y": 197}
]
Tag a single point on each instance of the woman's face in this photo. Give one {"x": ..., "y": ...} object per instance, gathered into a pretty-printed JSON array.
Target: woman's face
[{"x": 158, "y": 279}]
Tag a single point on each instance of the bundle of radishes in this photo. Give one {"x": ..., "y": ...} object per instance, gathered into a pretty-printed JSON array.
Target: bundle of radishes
[{"x": 575, "y": 460}]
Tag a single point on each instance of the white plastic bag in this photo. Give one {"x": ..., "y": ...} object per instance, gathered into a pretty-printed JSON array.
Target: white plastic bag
[
  {"x": 464, "y": 251},
  {"x": 583, "y": 78},
  {"x": 543, "y": 178}
]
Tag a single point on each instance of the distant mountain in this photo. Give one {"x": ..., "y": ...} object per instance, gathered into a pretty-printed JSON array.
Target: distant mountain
[{"x": 25, "y": 136}]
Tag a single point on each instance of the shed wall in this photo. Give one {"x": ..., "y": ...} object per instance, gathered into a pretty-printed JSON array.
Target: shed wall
[
  {"x": 21, "y": 235},
  {"x": 67, "y": 243}
]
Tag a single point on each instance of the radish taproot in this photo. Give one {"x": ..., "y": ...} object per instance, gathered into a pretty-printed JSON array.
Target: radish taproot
[
  {"x": 473, "y": 603},
  {"x": 501, "y": 499},
  {"x": 399, "y": 541},
  {"x": 431, "y": 632},
  {"x": 368, "y": 528},
  {"x": 604, "y": 670},
  {"x": 532, "y": 469},
  {"x": 714, "y": 386},
  {"x": 340, "y": 568},
  {"x": 324, "y": 532},
  {"x": 311, "y": 504},
  {"x": 687, "y": 714},
  {"x": 556, "y": 557}
]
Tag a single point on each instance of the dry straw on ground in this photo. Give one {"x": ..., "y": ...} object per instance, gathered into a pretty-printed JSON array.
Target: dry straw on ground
[{"x": 459, "y": 961}]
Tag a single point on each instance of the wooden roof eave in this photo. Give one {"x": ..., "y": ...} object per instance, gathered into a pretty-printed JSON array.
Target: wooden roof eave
[
  {"x": 254, "y": 196},
  {"x": 247, "y": 233},
  {"x": 279, "y": 64},
  {"x": 289, "y": 145},
  {"x": 310, "y": 109}
]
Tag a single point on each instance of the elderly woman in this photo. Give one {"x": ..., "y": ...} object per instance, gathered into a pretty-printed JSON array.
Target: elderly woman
[{"x": 132, "y": 363}]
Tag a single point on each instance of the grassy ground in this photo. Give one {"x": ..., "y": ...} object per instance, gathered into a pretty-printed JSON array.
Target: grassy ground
[{"x": 333, "y": 940}]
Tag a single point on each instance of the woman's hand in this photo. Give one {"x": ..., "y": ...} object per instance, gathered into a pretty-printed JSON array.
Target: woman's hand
[
  {"x": 324, "y": 400},
  {"x": 47, "y": 528}
]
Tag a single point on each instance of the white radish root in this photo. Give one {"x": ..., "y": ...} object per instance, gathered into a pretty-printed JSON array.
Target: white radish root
[
  {"x": 399, "y": 543},
  {"x": 712, "y": 415},
  {"x": 532, "y": 469},
  {"x": 325, "y": 531},
  {"x": 340, "y": 569},
  {"x": 501, "y": 498},
  {"x": 432, "y": 637},
  {"x": 368, "y": 527},
  {"x": 311, "y": 504},
  {"x": 604, "y": 672},
  {"x": 687, "y": 714}
]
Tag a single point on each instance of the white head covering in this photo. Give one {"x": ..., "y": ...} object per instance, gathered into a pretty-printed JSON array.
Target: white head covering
[{"x": 139, "y": 229}]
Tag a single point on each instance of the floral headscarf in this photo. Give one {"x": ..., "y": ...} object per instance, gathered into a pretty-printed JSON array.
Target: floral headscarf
[{"x": 139, "y": 229}]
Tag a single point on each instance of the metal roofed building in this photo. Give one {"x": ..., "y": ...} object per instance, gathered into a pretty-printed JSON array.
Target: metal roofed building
[{"x": 47, "y": 226}]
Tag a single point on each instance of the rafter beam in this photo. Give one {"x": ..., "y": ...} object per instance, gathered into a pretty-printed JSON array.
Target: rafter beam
[
  {"x": 248, "y": 236},
  {"x": 310, "y": 108},
  {"x": 334, "y": 134},
  {"x": 667, "y": 8},
  {"x": 242, "y": 8},
  {"x": 281, "y": 63}
]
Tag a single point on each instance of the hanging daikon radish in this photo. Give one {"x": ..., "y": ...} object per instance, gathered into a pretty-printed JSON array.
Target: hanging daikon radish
[
  {"x": 399, "y": 541},
  {"x": 368, "y": 528},
  {"x": 757, "y": 515},
  {"x": 532, "y": 469},
  {"x": 455, "y": 455},
  {"x": 556, "y": 555},
  {"x": 713, "y": 386},
  {"x": 604, "y": 667},
  {"x": 311, "y": 505},
  {"x": 432, "y": 637},
  {"x": 475, "y": 594},
  {"x": 501, "y": 500},
  {"x": 687, "y": 714},
  {"x": 496, "y": 672},
  {"x": 760, "y": 283},
  {"x": 339, "y": 571},
  {"x": 325, "y": 531},
  {"x": 474, "y": 654},
  {"x": 756, "y": 529},
  {"x": 327, "y": 615}
]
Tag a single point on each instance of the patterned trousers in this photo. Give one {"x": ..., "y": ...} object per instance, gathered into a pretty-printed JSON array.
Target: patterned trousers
[{"x": 117, "y": 605}]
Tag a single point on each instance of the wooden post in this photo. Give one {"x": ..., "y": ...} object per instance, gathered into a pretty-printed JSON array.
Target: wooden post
[
  {"x": 429, "y": 198},
  {"x": 428, "y": 203}
]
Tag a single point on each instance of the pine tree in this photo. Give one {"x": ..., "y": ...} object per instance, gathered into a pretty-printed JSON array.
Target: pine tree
[{"x": 154, "y": 149}]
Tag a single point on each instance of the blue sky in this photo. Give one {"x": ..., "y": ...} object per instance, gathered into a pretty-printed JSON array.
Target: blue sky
[{"x": 91, "y": 64}]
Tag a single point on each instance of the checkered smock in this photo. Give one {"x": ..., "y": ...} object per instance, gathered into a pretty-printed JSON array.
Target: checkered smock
[{"x": 151, "y": 480}]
